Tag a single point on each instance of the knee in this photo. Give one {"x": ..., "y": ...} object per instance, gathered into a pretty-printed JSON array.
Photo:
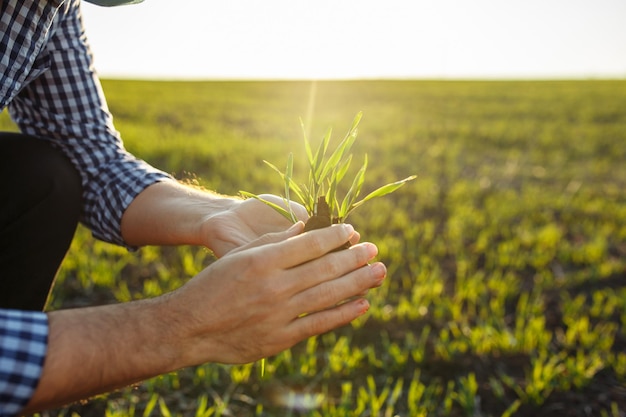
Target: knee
[
  {"x": 65, "y": 182},
  {"x": 58, "y": 183},
  {"x": 39, "y": 175}
]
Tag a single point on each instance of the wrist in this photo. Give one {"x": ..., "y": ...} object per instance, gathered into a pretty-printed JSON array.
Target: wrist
[
  {"x": 185, "y": 340},
  {"x": 170, "y": 213},
  {"x": 209, "y": 230},
  {"x": 169, "y": 330}
]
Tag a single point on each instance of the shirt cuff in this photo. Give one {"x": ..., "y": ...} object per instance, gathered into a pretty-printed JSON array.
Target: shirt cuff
[{"x": 23, "y": 346}]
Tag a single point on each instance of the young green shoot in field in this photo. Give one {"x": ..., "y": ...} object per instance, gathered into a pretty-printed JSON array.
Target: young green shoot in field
[
  {"x": 319, "y": 194},
  {"x": 326, "y": 171}
]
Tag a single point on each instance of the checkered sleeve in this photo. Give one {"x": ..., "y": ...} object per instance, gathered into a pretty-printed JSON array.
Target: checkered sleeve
[
  {"x": 23, "y": 346},
  {"x": 63, "y": 102}
]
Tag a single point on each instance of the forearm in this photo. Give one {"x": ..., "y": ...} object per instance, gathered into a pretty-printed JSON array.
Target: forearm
[
  {"x": 95, "y": 350},
  {"x": 169, "y": 213}
]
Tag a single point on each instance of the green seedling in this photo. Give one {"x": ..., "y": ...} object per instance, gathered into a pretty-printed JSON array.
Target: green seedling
[
  {"x": 319, "y": 195},
  {"x": 327, "y": 169}
]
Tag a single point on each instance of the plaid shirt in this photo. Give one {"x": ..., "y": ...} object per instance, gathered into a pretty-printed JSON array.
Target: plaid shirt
[
  {"x": 23, "y": 343},
  {"x": 51, "y": 89},
  {"x": 50, "y": 86}
]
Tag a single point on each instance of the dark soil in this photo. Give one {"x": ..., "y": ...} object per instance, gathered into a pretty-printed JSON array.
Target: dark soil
[{"x": 323, "y": 218}]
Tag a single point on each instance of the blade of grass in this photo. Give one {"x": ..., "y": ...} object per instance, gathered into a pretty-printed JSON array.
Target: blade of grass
[
  {"x": 319, "y": 157},
  {"x": 307, "y": 144},
  {"x": 274, "y": 168},
  {"x": 331, "y": 194},
  {"x": 292, "y": 184},
  {"x": 276, "y": 207},
  {"x": 344, "y": 146},
  {"x": 307, "y": 200},
  {"x": 353, "y": 192},
  {"x": 330, "y": 169},
  {"x": 381, "y": 191},
  {"x": 343, "y": 167},
  {"x": 356, "y": 121},
  {"x": 288, "y": 180}
]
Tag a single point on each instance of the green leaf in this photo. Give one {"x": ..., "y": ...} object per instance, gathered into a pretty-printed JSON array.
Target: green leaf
[
  {"x": 308, "y": 200},
  {"x": 337, "y": 165},
  {"x": 342, "y": 169},
  {"x": 353, "y": 192},
  {"x": 151, "y": 403},
  {"x": 292, "y": 184},
  {"x": 274, "y": 168},
  {"x": 331, "y": 195},
  {"x": 300, "y": 194},
  {"x": 307, "y": 144},
  {"x": 288, "y": 179},
  {"x": 276, "y": 207},
  {"x": 165, "y": 411},
  {"x": 356, "y": 121},
  {"x": 337, "y": 155},
  {"x": 381, "y": 191},
  {"x": 319, "y": 158}
]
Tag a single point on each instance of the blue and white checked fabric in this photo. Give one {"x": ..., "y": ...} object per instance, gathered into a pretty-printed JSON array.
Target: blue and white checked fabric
[
  {"x": 48, "y": 82},
  {"x": 23, "y": 346},
  {"x": 52, "y": 91}
]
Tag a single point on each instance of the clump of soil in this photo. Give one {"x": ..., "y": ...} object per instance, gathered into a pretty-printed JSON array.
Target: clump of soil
[{"x": 323, "y": 218}]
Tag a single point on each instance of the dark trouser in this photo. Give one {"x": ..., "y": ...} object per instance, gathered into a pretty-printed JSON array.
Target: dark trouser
[{"x": 40, "y": 196}]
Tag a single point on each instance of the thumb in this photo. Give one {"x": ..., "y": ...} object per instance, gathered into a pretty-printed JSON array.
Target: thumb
[{"x": 275, "y": 237}]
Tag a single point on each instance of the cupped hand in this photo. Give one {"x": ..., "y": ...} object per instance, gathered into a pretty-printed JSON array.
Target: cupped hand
[
  {"x": 248, "y": 220},
  {"x": 267, "y": 296}
]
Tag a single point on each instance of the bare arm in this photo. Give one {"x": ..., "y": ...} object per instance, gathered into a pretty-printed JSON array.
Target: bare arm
[
  {"x": 98, "y": 349},
  {"x": 169, "y": 213},
  {"x": 244, "y": 307}
]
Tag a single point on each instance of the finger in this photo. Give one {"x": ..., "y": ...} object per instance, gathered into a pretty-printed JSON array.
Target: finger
[
  {"x": 268, "y": 238},
  {"x": 326, "y": 320},
  {"x": 330, "y": 293},
  {"x": 299, "y": 211},
  {"x": 356, "y": 237},
  {"x": 333, "y": 265},
  {"x": 308, "y": 246}
]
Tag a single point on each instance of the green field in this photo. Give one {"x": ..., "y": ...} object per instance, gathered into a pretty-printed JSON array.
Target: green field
[{"x": 506, "y": 256}]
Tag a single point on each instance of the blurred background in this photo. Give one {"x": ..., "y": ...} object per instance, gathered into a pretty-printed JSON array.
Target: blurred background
[{"x": 287, "y": 39}]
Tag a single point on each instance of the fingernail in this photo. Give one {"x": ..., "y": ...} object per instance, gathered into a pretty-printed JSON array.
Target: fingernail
[
  {"x": 379, "y": 271},
  {"x": 372, "y": 250},
  {"x": 295, "y": 229},
  {"x": 348, "y": 229},
  {"x": 364, "y": 306},
  {"x": 295, "y": 226}
]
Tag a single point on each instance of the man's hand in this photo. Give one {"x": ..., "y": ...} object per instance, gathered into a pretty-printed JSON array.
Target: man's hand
[
  {"x": 169, "y": 213},
  {"x": 252, "y": 303},
  {"x": 244, "y": 222},
  {"x": 264, "y": 298}
]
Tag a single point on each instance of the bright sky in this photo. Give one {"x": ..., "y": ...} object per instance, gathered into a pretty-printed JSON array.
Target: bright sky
[{"x": 260, "y": 39}]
